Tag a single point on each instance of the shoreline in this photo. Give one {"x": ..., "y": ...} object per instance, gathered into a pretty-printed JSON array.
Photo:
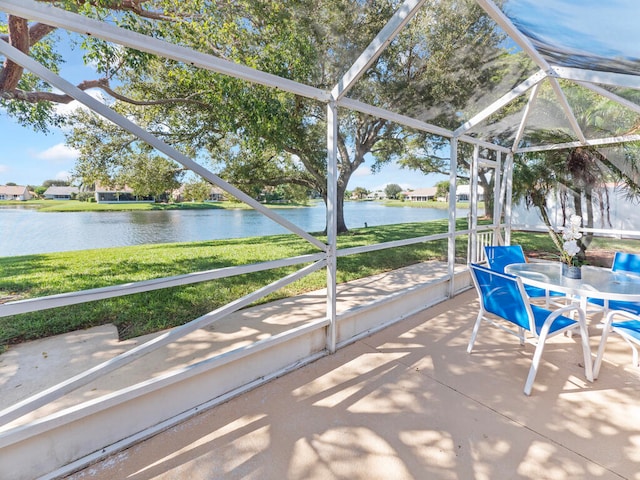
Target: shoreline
[{"x": 63, "y": 206}]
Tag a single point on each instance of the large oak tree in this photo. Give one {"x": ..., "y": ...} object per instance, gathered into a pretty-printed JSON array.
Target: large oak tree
[{"x": 252, "y": 134}]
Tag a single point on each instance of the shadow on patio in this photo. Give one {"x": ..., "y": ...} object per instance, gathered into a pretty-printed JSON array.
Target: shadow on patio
[{"x": 409, "y": 403}]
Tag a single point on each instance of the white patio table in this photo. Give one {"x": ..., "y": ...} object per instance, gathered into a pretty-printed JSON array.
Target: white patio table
[{"x": 596, "y": 282}]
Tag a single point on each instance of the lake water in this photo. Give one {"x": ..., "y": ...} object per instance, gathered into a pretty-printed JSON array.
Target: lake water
[{"x": 25, "y": 231}]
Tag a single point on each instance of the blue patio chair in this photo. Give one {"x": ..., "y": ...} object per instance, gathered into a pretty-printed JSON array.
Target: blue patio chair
[
  {"x": 499, "y": 257},
  {"x": 622, "y": 262},
  {"x": 505, "y": 304},
  {"x": 628, "y": 329}
]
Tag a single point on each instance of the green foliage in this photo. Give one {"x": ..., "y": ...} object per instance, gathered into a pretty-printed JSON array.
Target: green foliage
[
  {"x": 360, "y": 193},
  {"x": 264, "y": 137},
  {"x": 58, "y": 183},
  {"x": 196, "y": 191},
  {"x": 580, "y": 177},
  {"x": 442, "y": 189},
  {"x": 392, "y": 190},
  {"x": 151, "y": 175}
]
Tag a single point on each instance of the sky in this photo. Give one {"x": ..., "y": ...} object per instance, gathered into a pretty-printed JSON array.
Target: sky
[{"x": 30, "y": 158}]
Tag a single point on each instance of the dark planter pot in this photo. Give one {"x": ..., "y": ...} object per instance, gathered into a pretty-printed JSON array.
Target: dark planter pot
[{"x": 571, "y": 272}]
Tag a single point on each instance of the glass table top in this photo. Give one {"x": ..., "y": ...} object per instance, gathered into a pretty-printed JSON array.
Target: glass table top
[{"x": 596, "y": 282}]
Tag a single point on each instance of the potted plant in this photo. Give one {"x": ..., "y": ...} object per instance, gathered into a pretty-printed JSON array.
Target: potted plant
[{"x": 569, "y": 248}]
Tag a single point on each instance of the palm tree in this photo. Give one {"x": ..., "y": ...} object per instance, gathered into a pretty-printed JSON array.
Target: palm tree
[{"x": 579, "y": 176}]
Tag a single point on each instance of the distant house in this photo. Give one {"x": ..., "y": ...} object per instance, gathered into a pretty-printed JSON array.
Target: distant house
[
  {"x": 429, "y": 194},
  {"x": 377, "y": 195},
  {"x": 463, "y": 193},
  {"x": 61, "y": 193},
  {"x": 14, "y": 192},
  {"x": 421, "y": 195},
  {"x": 216, "y": 194},
  {"x": 118, "y": 195}
]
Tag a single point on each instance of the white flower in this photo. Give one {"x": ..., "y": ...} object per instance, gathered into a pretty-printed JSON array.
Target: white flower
[
  {"x": 571, "y": 247},
  {"x": 576, "y": 221},
  {"x": 573, "y": 231}
]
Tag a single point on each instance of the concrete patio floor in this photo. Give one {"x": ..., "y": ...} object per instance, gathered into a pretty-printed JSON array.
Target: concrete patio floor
[{"x": 409, "y": 403}]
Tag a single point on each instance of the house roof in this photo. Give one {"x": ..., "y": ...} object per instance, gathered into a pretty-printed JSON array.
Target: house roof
[
  {"x": 13, "y": 190},
  {"x": 61, "y": 190},
  {"x": 423, "y": 192}
]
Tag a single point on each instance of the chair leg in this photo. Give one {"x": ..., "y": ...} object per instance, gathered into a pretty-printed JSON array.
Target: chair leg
[
  {"x": 586, "y": 349},
  {"x": 476, "y": 327},
  {"x": 537, "y": 355},
  {"x": 600, "y": 354},
  {"x": 634, "y": 351}
]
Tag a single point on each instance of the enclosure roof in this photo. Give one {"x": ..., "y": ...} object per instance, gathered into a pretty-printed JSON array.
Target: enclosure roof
[
  {"x": 595, "y": 46},
  {"x": 587, "y": 53},
  {"x": 589, "y": 34},
  {"x": 582, "y": 56}
]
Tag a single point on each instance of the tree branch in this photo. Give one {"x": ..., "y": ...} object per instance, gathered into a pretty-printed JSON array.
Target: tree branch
[{"x": 164, "y": 101}]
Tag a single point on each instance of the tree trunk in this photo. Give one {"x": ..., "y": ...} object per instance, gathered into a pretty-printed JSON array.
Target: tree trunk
[
  {"x": 342, "y": 226},
  {"x": 489, "y": 201}
]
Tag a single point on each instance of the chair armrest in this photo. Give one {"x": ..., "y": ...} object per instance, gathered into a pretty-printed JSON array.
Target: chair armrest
[
  {"x": 612, "y": 313},
  {"x": 561, "y": 311}
]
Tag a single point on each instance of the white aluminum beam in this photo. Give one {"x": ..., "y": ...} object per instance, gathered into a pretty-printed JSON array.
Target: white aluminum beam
[
  {"x": 399, "y": 19},
  {"x": 594, "y": 76},
  {"x": 501, "y": 199},
  {"x": 400, "y": 119},
  {"x": 483, "y": 143},
  {"x": 473, "y": 199},
  {"x": 485, "y": 162},
  {"x": 27, "y": 62},
  {"x": 568, "y": 111},
  {"x": 413, "y": 123},
  {"x": 590, "y": 143},
  {"x": 525, "y": 116},
  {"x": 453, "y": 185},
  {"x": 532, "y": 81},
  {"x": 332, "y": 224},
  {"x": 508, "y": 198},
  {"x": 611, "y": 96},
  {"x": 497, "y": 193},
  {"x": 57, "y": 17}
]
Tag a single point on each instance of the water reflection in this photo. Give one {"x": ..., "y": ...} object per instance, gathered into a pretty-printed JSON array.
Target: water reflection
[{"x": 26, "y": 231}]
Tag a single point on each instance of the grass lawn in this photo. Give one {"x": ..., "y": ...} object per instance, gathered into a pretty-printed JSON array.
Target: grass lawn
[
  {"x": 39, "y": 275},
  {"x": 76, "y": 206}
]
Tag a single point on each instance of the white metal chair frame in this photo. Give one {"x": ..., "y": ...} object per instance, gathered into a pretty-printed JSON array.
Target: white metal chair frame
[
  {"x": 499, "y": 256},
  {"x": 622, "y": 262},
  {"x": 624, "y": 329},
  {"x": 535, "y": 337}
]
